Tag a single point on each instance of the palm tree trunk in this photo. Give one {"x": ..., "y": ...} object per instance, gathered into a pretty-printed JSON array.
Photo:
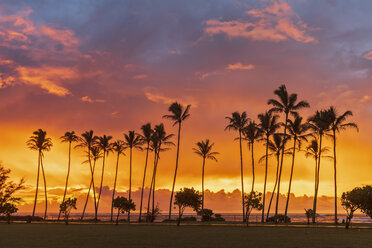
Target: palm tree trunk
[
  {"x": 276, "y": 182},
  {"x": 175, "y": 172},
  {"x": 203, "y": 187},
  {"x": 317, "y": 180},
  {"x": 153, "y": 188},
  {"x": 241, "y": 172},
  {"x": 68, "y": 174},
  {"x": 143, "y": 181},
  {"x": 281, "y": 166},
  {"x": 130, "y": 180},
  {"x": 253, "y": 175},
  {"x": 37, "y": 183},
  {"x": 113, "y": 192},
  {"x": 117, "y": 217},
  {"x": 290, "y": 180},
  {"x": 93, "y": 187},
  {"x": 264, "y": 191},
  {"x": 150, "y": 191},
  {"x": 103, "y": 171},
  {"x": 45, "y": 189},
  {"x": 90, "y": 186},
  {"x": 335, "y": 172}
]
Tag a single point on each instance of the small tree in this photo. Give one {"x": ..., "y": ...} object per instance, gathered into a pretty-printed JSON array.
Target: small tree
[
  {"x": 309, "y": 214},
  {"x": 8, "y": 209},
  {"x": 366, "y": 207},
  {"x": 187, "y": 197},
  {"x": 252, "y": 201},
  {"x": 352, "y": 201},
  {"x": 123, "y": 205},
  {"x": 206, "y": 214},
  {"x": 66, "y": 207}
]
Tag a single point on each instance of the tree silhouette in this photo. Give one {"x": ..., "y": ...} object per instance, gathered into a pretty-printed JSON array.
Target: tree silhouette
[
  {"x": 187, "y": 197},
  {"x": 66, "y": 206},
  {"x": 237, "y": 122},
  {"x": 133, "y": 141},
  {"x": 204, "y": 150},
  {"x": 123, "y": 205},
  {"x": 268, "y": 126},
  {"x": 69, "y": 138},
  {"x": 118, "y": 147},
  {"x": 252, "y": 201},
  {"x": 41, "y": 143},
  {"x": 338, "y": 123},
  {"x": 178, "y": 115},
  {"x": 286, "y": 104}
]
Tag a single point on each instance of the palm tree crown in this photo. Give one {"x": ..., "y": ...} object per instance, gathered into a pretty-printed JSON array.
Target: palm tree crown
[
  {"x": 104, "y": 143},
  {"x": 69, "y": 137},
  {"x": 268, "y": 123},
  {"x": 297, "y": 130},
  {"x": 133, "y": 140},
  {"x": 338, "y": 121},
  {"x": 237, "y": 121},
  {"x": 39, "y": 141},
  {"x": 252, "y": 132},
  {"x": 204, "y": 149},
  {"x": 178, "y": 114},
  {"x": 147, "y": 132},
  {"x": 119, "y": 147}
]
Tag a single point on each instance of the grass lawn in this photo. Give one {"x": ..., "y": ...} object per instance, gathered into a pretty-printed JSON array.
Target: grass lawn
[{"x": 159, "y": 235}]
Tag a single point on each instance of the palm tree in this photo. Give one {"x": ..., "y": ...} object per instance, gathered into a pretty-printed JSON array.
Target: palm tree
[
  {"x": 132, "y": 140},
  {"x": 118, "y": 147},
  {"x": 39, "y": 142},
  {"x": 268, "y": 126},
  {"x": 237, "y": 122},
  {"x": 95, "y": 154},
  {"x": 297, "y": 131},
  {"x": 338, "y": 124},
  {"x": 68, "y": 137},
  {"x": 104, "y": 144},
  {"x": 287, "y": 104},
  {"x": 320, "y": 123},
  {"x": 275, "y": 147},
  {"x": 178, "y": 115},
  {"x": 87, "y": 141},
  {"x": 146, "y": 138},
  {"x": 252, "y": 133},
  {"x": 204, "y": 149}
]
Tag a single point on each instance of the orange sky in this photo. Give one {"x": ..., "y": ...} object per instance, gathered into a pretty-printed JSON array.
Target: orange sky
[{"x": 113, "y": 66}]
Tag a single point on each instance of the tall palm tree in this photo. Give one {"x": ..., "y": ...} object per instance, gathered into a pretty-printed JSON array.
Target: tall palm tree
[
  {"x": 104, "y": 143},
  {"x": 275, "y": 147},
  {"x": 237, "y": 122},
  {"x": 118, "y": 147},
  {"x": 146, "y": 139},
  {"x": 95, "y": 154},
  {"x": 178, "y": 115},
  {"x": 69, "y": 137},
  {"x": 319, "y": 123},
  {"x": 87, "y": 141},
  {"x": 298, "y": 132},
  {"x": 268, "y": 126},
  {"x": 41, "y": 143},
  {"x": 288, "y": 105},
  {"x": 338, "y": 123},
  {"x": 204, "y": 150},
  {"x": 252, "y": 133},
  {"x": 133, "y": 141}
]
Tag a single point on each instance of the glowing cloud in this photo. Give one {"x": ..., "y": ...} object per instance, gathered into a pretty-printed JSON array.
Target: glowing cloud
[
  {"x": 240, "y": 66},
  {"x": 368, "y": 55},
  {"x": 90, "y": 100}
]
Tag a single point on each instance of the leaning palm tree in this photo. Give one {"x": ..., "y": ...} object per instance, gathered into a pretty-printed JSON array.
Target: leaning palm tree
[
  {"x": 178, "y": 115},
  {"x": 95, "y": 154},
  {"x": 69, "y": 137},
  {"x": 298, "y": 133},
  {"x": 105, "y": 145},
  {"x": 133, "y": 141},
  {"x": 204, "y": 150},
  {"x": 237, "y": 122},
  {"x": 319, "y": 123},
  {"x": 288, "y": 105},
  {"x": 39, "y": 142},
  {"x": 146, "y": 139},
  {"x": 87, "y": 141},
  {"x": 268, "y": 126},
  {"x": 338, "y": 123},
  {"x": 118, "y": 147},
  {"x": 252, "y": 133}
]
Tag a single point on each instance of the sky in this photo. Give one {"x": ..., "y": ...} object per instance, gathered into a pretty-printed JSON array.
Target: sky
[{"x": 112, "y": 66}]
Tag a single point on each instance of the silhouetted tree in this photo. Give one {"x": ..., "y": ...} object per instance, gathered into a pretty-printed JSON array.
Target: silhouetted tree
[
  {"x": 187, "y": 197},
  {"x": 66, "y": 206},
  {"x": 288, "y": 105},
  {"x": 268, "y": 126},
  {"x": 178, "y": 115},
  {"x": 41, "y": 143},
  {"x": 123, "y": 205},
  {"x": 338, "y": 123},
  {"x": 352, "y": 201},
  {"x": 118, "y": 147},
  {"x": 252, "y": 201},
  {"x": 69, "y": 137},
  {"x": 238, "y": 122},
  {"x": 204, "y": 149},
  {"x": 309, "y": 213},
  {"x": 132, "y": 140}
]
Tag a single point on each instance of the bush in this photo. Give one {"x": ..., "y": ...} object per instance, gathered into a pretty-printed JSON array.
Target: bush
[{"x": 278, "y": 219}]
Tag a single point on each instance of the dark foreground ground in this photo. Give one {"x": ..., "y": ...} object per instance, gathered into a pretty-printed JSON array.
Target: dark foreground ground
[{"x": 160, "y": 235}]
